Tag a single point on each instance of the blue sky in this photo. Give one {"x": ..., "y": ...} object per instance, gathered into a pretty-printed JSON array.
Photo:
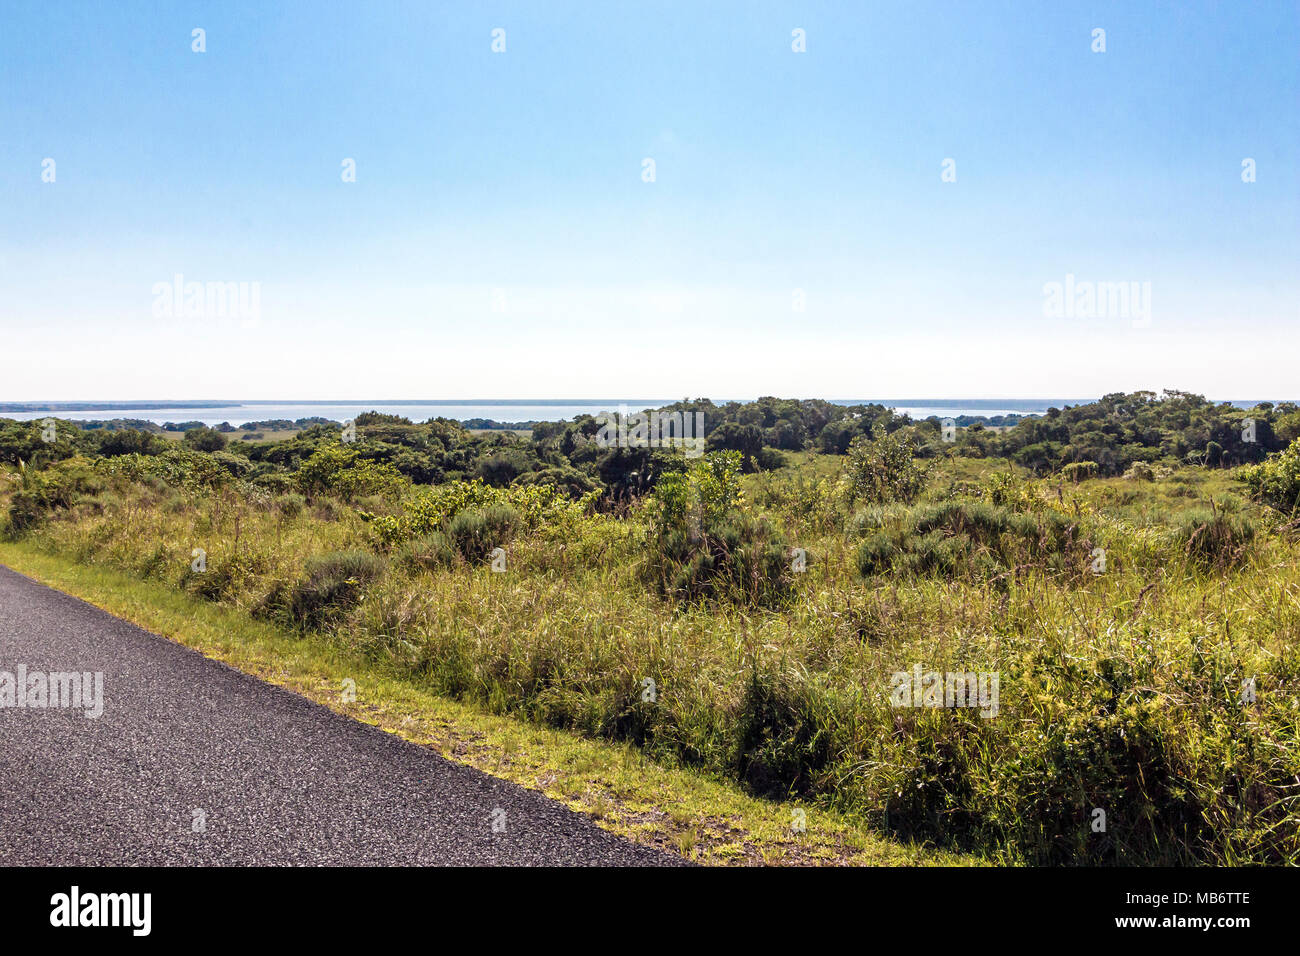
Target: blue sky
[{"x": 500, "y": 241}]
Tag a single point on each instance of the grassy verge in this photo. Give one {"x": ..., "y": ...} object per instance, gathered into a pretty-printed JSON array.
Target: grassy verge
[{"x": 623, "y": 791}]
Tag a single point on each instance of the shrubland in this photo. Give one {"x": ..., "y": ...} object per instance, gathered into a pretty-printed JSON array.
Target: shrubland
[{"x": 1141, "y": 612}]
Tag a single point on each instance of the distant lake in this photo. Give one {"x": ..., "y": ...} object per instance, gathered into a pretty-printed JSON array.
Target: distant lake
[{"x": 240, "y": 413}]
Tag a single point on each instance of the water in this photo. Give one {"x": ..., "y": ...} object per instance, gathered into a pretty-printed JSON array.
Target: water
[
  {"x": 244, "y": 412},
  {"x": 240, "y": 413}
]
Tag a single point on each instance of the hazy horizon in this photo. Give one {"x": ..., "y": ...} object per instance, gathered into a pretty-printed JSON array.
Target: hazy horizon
[{"x": 498, "y": 410}]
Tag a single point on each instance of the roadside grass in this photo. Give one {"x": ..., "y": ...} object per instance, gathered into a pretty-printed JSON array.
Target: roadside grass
[
  {"x": 681, "y": 811},
  {"x": 1121, "y": 690}
]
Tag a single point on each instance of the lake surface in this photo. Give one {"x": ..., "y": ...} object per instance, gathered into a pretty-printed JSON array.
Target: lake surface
[{"x": 239, "y": 413}]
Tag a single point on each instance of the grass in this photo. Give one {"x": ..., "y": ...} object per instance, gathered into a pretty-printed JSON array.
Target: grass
[
  {"x": 1123, "y": 617},
  {"x": 677, "y": 810}
]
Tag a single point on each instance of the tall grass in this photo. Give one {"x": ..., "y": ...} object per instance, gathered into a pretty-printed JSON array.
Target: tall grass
[{"x": 1126, "y": 690}]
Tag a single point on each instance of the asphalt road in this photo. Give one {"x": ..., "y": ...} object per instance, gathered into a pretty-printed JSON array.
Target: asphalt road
[{"x": 271, "y": 777}]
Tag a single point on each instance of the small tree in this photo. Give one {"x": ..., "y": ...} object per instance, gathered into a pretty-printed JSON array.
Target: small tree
[
  {"x": 205, "y": 439},
  {"x": 884, "y": 469}
]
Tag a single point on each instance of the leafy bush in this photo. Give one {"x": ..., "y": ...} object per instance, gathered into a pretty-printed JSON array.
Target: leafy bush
[
  {"x": 1078, "y": 471},
  {"x": 571, "y": 481},
  {"x": 177, "y": 467},
  {"x": 290, "y": 505},
  {"x": 338, "y": 470},
  {"x": 429, "y": 509},
  {"x": 704, "y": 546},
  {"x": 783, "y": 739},
  {"x": 1276, "y": 482},
  {"x": 884, "y": 469},
  {"x": 128, "y": 441},
  {"x": 476, "y": 533},
  {"x": 1140, "y": 471},
  {"x": 41, "y": 492},
  {"x": 204, "y": 439}
]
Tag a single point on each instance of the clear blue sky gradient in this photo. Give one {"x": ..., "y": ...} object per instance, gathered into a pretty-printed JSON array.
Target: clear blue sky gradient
[{"x": 521, "y": 171}]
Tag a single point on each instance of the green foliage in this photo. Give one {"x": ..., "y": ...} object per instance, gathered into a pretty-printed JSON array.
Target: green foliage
[
  {"x": 430, "y": 509},
  {"x": 1078, "y": 471},
  {"x": 1276, "y": 482},
  {"x": 339, "y": 470},
  {"x": 884, "y": 469},
  {"x": 290, "y": 505},
  {"x": 571, "y": 481},
  {"x": 1214, "y": 539},
  {"x": 432, "y": 552},
  {"x": 39, "y": 493},
  {"x": 476, "y": 533},
  {"x": 704, "y": 546},
  {"x": 1121, "y": 429},
  {"x": 204, "y": 439},
  {"x": 331, "y": 585},
  {"x": 177, "y": 467},
  {"x": 1007, "y": 490},
  {"x": 784, "y": 738},
  {"x": 128, "y": 441},
  {"x": 969, "y": 538}
]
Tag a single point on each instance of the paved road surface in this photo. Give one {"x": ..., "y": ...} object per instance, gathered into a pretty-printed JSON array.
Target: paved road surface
[{"x": 280, "y": 779}]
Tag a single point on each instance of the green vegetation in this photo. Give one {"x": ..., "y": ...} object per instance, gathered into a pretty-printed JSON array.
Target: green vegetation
[
  {"x": 1140, "y": 610},
  {"x": 675, "y": 809}
]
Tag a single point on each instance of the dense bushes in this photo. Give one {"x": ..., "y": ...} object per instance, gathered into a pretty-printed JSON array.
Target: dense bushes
[
  {"x": 475, "y": 534},
  {"x": 1125, "y": 695},
  {"x": 1276, "y": 482},
  {"x": 331, "y": 585},
  {"x": 430, "y": 509},
  {"x": 884, "y": 469},
  {"x": 39, "y": 493},
  {"x": 704, "y": 546},
  {"x": 1121, "y": 429},
  {"x": 342, "y": 471},
  {"x": 968, "y": 537}
]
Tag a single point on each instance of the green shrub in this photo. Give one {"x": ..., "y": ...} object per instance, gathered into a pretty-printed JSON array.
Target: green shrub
[
  {"x": 703, "y": 545},
  {"x": 1078, "y": 471},
  {"x": 331, "y": 585},
  {"x": 739, "y": 559},
  {"x": 41, "y": 492},
  {"x": 204, "y": 439},
  {"x": 476, "y": 533},
  {"x": 571, "y": 481},
  {"x": 339, "y": 470},
  {"x": 432, "y": 552},
  {"x": 1276, "y": 482},
  {"x": 884, "y": 469},
  {"x": 769, "y": 459},
  {"x": 968, "y": 537},
  {"x": 784, "y": 736},
  {"x": 290, "y": 505}
]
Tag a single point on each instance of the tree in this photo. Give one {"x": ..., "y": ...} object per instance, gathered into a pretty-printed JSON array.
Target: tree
[
  {"x": 884, "y": 469},
  {"x": 205, "y": 439}
]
